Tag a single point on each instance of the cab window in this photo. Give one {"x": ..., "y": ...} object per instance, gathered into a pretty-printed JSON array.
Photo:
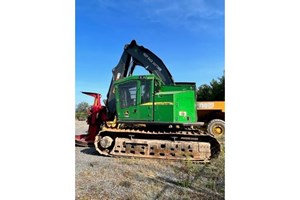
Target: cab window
[
  {"x": 128, "y": 94},
  {"x": 145, "y": 91}
]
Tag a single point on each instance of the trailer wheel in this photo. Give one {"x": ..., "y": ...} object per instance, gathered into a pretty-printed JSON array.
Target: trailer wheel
[{"x": 216, "y": 127}]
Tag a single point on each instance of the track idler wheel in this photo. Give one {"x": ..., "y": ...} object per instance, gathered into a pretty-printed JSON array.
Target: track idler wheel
[
  {"x": 106, "y": 142},
  {"x": 103, "y": 144}
]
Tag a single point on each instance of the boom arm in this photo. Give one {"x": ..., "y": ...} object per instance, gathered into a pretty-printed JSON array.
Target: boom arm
[{"x": 136, "y": 55}]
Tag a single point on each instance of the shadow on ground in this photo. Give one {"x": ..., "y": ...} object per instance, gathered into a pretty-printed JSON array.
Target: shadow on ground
[{"x": 90, "y": 151}]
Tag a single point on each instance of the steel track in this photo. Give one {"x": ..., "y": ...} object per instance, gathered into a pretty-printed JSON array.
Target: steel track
[{"x": 170, "y": 144}]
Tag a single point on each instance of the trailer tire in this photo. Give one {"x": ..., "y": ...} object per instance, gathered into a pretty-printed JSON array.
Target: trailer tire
[{"x": 216, "y": 127}]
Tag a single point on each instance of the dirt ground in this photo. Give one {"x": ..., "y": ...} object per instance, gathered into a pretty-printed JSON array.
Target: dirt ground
[{"x": 98, "y": 177}]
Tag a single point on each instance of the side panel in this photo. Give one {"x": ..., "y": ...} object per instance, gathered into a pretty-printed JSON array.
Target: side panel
[
  {"x": 185, "y": 107},
  {"x": 175, "y": 104},
  {"x": 164, "y": 107}
]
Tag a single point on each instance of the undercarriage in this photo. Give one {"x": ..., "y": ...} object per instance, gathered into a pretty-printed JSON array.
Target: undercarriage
[{"x": 169, "y": 143}]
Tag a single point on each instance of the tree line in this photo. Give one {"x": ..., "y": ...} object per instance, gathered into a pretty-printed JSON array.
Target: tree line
[{"x": 215, "y": 91}]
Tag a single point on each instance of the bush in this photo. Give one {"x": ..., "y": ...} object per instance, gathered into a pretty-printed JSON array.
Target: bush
[
  {"x": 81, "y": 116},
  {"x": 81, "y": 112}
]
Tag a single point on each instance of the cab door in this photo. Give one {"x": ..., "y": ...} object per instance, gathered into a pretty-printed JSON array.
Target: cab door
[
  {"x": 127, "y": 101},
  {"x": 145, "y": 100}
]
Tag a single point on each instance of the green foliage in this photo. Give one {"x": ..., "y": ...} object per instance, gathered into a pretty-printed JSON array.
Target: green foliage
[
  {"x": 81, "y": 111},
  {"x": 213, "y": 92},
  {"x": 82, "y": 107}
]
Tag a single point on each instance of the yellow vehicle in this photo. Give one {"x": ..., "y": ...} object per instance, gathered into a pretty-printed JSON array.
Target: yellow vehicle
[{"x": 212, "y": 114}]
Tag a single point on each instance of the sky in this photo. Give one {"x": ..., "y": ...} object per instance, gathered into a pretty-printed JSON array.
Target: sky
[{"x": 187, "y": 35}]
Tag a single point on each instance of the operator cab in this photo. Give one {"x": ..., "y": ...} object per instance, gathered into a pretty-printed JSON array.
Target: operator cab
[{"x": 134, "y": 97}]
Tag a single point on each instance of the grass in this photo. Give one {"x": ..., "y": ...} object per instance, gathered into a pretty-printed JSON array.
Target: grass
[{"x": 207, "y": 178}]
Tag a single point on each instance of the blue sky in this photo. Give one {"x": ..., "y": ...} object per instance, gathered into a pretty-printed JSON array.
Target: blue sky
[{"x": 188, "y": 35}]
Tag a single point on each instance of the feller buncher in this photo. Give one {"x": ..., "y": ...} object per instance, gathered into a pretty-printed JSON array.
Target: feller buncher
[{"x": 148, "y": 116}]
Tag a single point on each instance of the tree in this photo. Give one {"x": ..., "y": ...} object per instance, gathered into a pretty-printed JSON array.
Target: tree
[
  {"x": 204, "y": 92},
  {"x": 81, "y": 111},
  {"x": 213, "y": 92}
]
